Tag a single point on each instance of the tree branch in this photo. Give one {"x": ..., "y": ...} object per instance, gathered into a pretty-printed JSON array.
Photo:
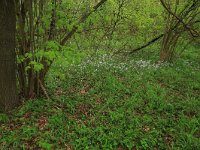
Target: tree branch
[
  {"x": 82, "y": 19},
  {"x": 172, "y": 28},
  {"x": 180, "y": 20},
  {"x": 147, "y": 44}
]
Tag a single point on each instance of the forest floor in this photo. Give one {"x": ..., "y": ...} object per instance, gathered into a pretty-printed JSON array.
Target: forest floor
[{"x": 104, "y": 103}]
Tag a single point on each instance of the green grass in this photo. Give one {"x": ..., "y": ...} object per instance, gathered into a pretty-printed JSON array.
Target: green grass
[{"x": 109, "y": 104}]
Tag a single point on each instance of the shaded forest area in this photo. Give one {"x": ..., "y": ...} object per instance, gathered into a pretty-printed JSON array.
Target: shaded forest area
[{"x": 100, "y": 74}]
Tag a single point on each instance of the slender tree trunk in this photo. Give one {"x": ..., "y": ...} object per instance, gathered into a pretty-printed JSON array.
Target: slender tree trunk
[{"x": 8, "y": 89}]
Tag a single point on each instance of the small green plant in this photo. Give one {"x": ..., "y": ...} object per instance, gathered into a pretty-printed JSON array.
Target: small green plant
[{"x": 104, "y": 103}]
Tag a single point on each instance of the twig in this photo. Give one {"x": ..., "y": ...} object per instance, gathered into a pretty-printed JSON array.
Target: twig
[
  {"x": 82, "y": 19},
  {"x": 43, "y": 89}
]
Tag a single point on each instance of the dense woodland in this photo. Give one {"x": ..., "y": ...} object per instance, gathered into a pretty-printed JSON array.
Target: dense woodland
[{"x": 100, "y": 74}]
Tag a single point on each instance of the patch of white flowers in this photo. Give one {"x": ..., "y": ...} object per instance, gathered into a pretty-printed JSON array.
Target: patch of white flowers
[{"x": 106, "y": 62}]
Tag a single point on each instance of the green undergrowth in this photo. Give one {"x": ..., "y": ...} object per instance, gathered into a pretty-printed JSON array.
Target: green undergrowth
[{"x": 104, "y": 103}]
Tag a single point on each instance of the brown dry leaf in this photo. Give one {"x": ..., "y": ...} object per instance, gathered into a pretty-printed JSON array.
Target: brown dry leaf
[
  {"x": 98, "y": 100},
  {"x": 68, "y": 147},
  {"x": 146, "y": 128},
  {"x": 27, "y": 115},
  {"x": 59, "y": 92},
  {"x": 168, "y": 138},
  {"x": 83, "y": 92},
  {"x": 42, "y": 122}
]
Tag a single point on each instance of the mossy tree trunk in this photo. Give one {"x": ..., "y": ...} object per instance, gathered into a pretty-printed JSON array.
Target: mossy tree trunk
[{"x": 8, "y": 89}]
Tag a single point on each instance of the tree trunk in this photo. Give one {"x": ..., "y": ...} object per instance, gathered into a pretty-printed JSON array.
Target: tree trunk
[{"x": 8, "y": 89}]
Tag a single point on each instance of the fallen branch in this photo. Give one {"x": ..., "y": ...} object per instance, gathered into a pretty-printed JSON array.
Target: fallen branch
[{"x": 43, "y": 89}]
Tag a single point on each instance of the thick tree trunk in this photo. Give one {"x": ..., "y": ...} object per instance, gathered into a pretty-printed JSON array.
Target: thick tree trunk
[
  {"x": 8, "y": 89},
  {"x": 168, "y": 46}
]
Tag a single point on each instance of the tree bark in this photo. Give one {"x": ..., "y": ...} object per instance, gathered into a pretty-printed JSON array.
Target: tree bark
[{"x": 8, "y": 89}]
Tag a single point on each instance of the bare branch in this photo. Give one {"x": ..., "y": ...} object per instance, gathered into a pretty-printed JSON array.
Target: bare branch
[
  {"x": 82, "y": 19},
  {"x": 179, "y": 19},
  {"x": 147, "y": 44}
]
